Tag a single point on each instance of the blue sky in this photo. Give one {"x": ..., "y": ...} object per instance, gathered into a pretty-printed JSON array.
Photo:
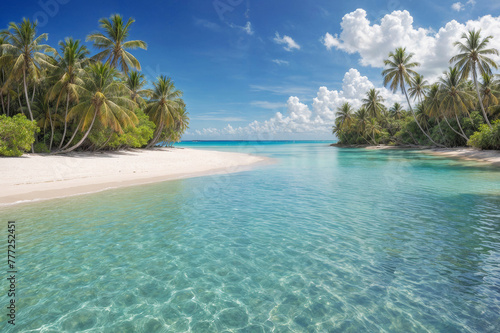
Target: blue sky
[{"x": 235, "y": 70}]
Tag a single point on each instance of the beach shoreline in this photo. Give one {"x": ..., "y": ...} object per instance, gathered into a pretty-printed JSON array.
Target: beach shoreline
[
  {"x": 491, "y": 157},
  {"x": 37, "y": 177}
]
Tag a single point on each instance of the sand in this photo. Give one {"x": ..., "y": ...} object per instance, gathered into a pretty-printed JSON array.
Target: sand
[
  {"x": 486, "y": 156},
  {"x": 34, "y": 177},
  {"x": 491, "y": 157}
]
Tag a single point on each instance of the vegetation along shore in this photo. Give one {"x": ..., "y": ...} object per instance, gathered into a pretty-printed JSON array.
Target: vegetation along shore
[
  {"x": 61, "y": 100},
  {"x": 461, "y": 108}
]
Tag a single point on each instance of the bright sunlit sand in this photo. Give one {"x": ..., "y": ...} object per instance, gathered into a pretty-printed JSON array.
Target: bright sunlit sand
[{"x": 41, "y": 177}]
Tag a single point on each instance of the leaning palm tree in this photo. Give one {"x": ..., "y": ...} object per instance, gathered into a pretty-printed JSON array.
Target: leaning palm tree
[
  {"x": 473, "y": 56},
  {"x": 136, "y": 83},
  {"x": 114, "y": 43},
  {"x": 373, "y": 103},
  {"x": 373, "y": 129},
  {"x": 102, "y": 98},
  {"x": 400, "y": 73},
  {"x": 22, "y": 43},
  {"x": 164, "y": 106},
  {"x": 344, "y": 115},
  {"x": 69, "y": 71},
  {"x": 455, "y": 97}
]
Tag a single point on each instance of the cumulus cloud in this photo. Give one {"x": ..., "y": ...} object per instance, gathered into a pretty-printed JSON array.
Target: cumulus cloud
[
  {"x": 432, "y": 49},
  {"x": 302, "y": 118},
  {"x": 457, "y": 6},
  {"x": 289, "y": 43}
]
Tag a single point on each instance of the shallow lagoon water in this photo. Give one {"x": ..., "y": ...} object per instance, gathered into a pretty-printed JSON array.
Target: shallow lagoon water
[{"x": 324, "y": 240}]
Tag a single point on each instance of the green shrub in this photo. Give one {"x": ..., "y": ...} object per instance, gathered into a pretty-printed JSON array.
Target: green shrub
[
  {"x": 41, "y": 147},
  {"x": 486, "y": 138},
  {"x": 17, "y": 134}
]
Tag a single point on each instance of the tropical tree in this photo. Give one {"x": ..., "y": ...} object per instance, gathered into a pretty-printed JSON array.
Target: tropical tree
[
  {"x": 455, "y": 97},
  {"x": 418, "y": 87},
  {"x": 136, "y": 83},
  {"x": 432, "y": 104},
  {"x": 22, "y": 43},
  {"x": 69, "y": 72},
  {"x": 114, "y": 44},
  {"x": 362, "y": 118},
  {"x": 473, "y": 56},
  {"x": 490, "y": 90},
  {"x": 400, "y": 73},
  {"x": 373, "y": 103},
  {"x": 373, "y": 129},
  {"x": 344, "y": 115},
  {"x": 397, "y": 111},
  {"x": 164, "y": 106},
  {"x": 104, "y": 98}
]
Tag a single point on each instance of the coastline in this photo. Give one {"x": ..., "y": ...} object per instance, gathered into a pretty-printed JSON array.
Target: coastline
[
  {"x": 36, "y": 177},
  {"x": 491, "y": 157}
]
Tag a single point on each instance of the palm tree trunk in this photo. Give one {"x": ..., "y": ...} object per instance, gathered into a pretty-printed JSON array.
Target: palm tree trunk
[
  {"x": 84, "y": 137},
  {"x": 26, "y": 95},
  {"x": 65, "y": 120},
  {"x": 19, "y": 101},
  {"x": 105, "y": 143},
  {"x": 73, "y": 136},
  {"x": 33, "y": 94},
  {"x": 8, "y": 103},
  {"x": 460, "y": 126},
  {"x": 3, "y": 105},
  {"x": 51, "y": 131},
  {"x": 474, "y": 74},
  {"x": 439, "y": 126},
  {"x": 413, "y": 114},
  {"x": 156, "y": 136},
  {"x": 454, "y": 130},
  {"x": 28, "y": 102}
]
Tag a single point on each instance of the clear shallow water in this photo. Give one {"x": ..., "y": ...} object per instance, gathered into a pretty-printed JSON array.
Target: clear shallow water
[{"x": 324, "y": 240}]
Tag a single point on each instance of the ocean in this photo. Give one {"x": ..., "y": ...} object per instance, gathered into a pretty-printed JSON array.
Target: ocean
[{"x": 323, "y": 240}]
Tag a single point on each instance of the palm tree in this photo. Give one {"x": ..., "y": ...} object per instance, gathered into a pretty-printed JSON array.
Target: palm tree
[
  {"x": 362, "y": 119},
  {"x": 344, "y": 115},
  {"x": 397, "y": 111},
  {"x": 373, "y": 103},
  {"x": 473, "y": 56},
  {"x": 418, "y": 88},
  {"x": 490, "y": 89},
  {"x": 104, "y": 98},
  {"x": 164, "y": 106},
  {"x": 114, "y": 43},
  {"x": 28, "y": 52},
  {"x": 432, "y": 104},
  {"x": 372, "y": 129},
  {"x": 454, "y": 96},
  {"x": 136, "y": 83},
  {"x": 399, "y": 74},
  {"x": 71, "y": 61}
]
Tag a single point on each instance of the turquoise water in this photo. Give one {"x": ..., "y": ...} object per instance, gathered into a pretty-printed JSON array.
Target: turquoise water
[{"x": 324, "y": 240}]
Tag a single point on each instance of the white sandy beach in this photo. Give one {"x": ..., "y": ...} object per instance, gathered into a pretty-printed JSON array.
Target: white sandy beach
[
  {"x": 41, "y": 177},
  {"x": 485, "y": 156},
  {"x": 463, "y": 153}
]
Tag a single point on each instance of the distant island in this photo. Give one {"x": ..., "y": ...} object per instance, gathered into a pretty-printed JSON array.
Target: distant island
[
  {"x": 461, "y": 109},
  {"x": 58, "y": 101}
]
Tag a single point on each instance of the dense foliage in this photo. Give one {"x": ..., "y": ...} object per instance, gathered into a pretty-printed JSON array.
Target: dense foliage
[
  {"x": 77, "y": 102},
  {"x": 454, "y": 111},
  {"x": 17, "y": 134}
]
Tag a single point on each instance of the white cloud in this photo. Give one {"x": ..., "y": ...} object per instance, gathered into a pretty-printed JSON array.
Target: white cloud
[
  {"x": 280, "y": 62},
  {"x": 248, "y": 28},
  {"x": 471, "y": 2},
  {"x": 268, "y": 105},
  {"x": 317, "y": 118},
  {"x": 373, "y": 42},
  {"x": 288, "y": 41},
  {"x": 457, "y": 6}
]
